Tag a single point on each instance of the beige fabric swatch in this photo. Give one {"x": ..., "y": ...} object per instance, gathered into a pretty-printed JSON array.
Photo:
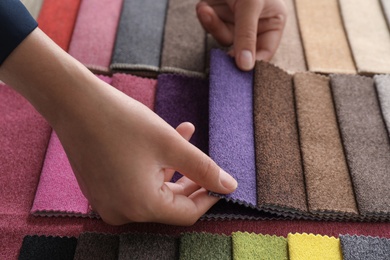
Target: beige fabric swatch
[
  {"x": 33, "y": 6},
  {"x": 324, "y": 40},
  {"x": 289, "y": 55},
  {"x": 368, "y": 35},
  {"x": 328, "y": 184}
]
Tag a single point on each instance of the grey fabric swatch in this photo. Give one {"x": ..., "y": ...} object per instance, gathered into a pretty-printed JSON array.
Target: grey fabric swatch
[
  {"x": 365, "y": 248},
  {"x": 147, "y": 246},
  {"x": 33, "y": 6},
  {"x": 184, "y": 48},
  {"x": 97, "y": 246},
  {"x": 382, "y": 83},
  {"x": 365, "y": 142},
  {"x": 139, "y": 36}
]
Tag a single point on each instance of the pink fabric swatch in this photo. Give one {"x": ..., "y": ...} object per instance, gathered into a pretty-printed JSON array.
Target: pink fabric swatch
[
  {"x": 141, "y": 89},
  {"x": 93, "y": 37},
  {"x": 24, "y": 136}
]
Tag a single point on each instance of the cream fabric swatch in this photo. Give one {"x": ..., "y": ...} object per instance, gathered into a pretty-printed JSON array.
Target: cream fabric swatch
[
  {"x": 324, "y": 40},
  {"x": 290, "y": 55},
  {"x": 33, "y": 6},
  {"x": 368, "y": 35}
]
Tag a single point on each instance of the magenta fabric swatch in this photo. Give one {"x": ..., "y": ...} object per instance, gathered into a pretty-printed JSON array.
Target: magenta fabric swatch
[
  {"x": 94, "y": 34},
  {"x": 24, "y": 136},
  {"x": 231, "y": 142},
  {"x": 141, "y": 89}
]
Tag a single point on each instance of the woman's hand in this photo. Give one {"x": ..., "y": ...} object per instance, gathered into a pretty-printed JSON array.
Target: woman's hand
[{"x": 253, "y": 27}]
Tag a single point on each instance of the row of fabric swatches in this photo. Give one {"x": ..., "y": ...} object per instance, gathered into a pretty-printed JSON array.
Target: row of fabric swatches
[
  {"x": 302, "y": 146},
  {"x": 149, "y": 37},
  {"x": 238, "y": 246}
]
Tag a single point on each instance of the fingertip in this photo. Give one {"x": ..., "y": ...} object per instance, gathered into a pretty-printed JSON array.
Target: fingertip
[
  {"x": 245, "y": 60},
  {"x": 228, "y": 182}
]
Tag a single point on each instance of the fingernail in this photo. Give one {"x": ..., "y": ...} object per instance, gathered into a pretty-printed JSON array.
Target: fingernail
[
  {"x": 206, "y": 18},
  {"x": 227, "y": 180},
  {"x": 246, "y": 60}
]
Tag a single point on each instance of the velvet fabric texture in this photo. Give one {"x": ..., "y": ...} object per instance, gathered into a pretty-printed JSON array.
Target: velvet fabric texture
[
  {"x": 364, "y": 247},
  {"x": 257, "y": 246},
  {"x": 365, "y": 140},
  {"x": 33, "y": 6},
  {"x": 290, "y": 55},
  {"x": 184, "y": 48},
  {"x": 328, "y": 183},
  {"x": 91, "y": 246},
  {"x": 139, "y": 37},
  {"x": 231, "y": 143},
  {"x": 57, "y": 19},
  {"x": 369, "y": 41},
  {"x": 310, "y": 246},
  {"x": 382, "y": 83},
  {"x": 94, "y": 33},
  {"x": 280, "y": 180},
  {"x": 323, "y": 36}
]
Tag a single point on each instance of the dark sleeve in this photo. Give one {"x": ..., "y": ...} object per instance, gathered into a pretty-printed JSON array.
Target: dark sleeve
[{"x": 15, "y": 24}]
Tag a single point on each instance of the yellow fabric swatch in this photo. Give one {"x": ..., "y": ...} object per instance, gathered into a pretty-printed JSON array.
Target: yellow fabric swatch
[{"x": 313, "y": 247}]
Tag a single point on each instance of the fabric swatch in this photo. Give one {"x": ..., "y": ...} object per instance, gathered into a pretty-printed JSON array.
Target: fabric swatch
[
  {"x": 323, "y": 36},
  {"x": 141, "y": 89},
  {"x": 386, "y": 10},
  {"x": 365, "y": 142},
  {"x": 58, "y": 192},
  {"x": 184, "y": 40},
  {"x": 382, "y": 83},
  {"x": 365, "y": 248},
  {"x": 94, "y": 33},
  {"x": 369, "y": 38},
  {"x": 231, "y": 143},
  {"x": 315, "y": 247},
  {"x": 148, "y": 246},
  {"x": 328, "y": 183},
  {"x": 48, "y": 247},
  {"x": 57, "y": 19},
  {"x": 91, "y": 246},
  {"x": 290, "y": 55},
  {"x": 24, "y": 136},
  {"x": 280, "y": 181},
  {"x": 258, "y": 246},
  {"x": 33, "y": 6},
  {"x": 205, "y": 246},
  {"x": 139, "y": 37}
]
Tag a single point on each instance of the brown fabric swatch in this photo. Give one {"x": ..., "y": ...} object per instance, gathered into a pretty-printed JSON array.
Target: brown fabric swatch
[
  {"x": 323, "y": 36},
  {"x": 368, "y": 35},
  {"x": 97, "y": 246},
  {"x": 328, "y": 183},
  {"x": 278, "y": 161},
  {"x": 365, "y": 141},
  {"x": 184, "y": 47},
  {"x": 289, "y": 55}
]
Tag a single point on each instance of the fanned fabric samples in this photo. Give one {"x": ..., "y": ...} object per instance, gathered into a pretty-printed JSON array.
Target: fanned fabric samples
[
  {"x": 328, "y": 184},
  {"x": 278, "y": 160},
  {"x": 290, "y": 55},
  {"x": 231, "y": 142},
  {"x": 369, "y": 38},
  {"x": 139, "y": 37},
  {"x": 315, "y": 247},
  {"x": 33, "y": 6},
  {"x": 57, "y": 19},
  {"x": 24, "y": 136},
  {"x": 140, "y": 89},
  {"x": 365, "y": 140},
  {"x": 382, "y": 83},
  {"x": 365, "y": 247},
  {"x": 184, "y": 40},
  {"x": 91, "y": 246},
  {"x": 42, "y": 247},
  {"x": 257, "y": 246},
  {"x": 94, "y": 33},
  {"x": 323, "y": 36},
  {"x": 147, "y": 246},
  {"x": 205, "y": 246}
]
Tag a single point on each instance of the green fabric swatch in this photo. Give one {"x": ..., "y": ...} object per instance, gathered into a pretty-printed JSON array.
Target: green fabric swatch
[
  {"x": 205, "y": 246},
  {"x": 254, "y": 246}
]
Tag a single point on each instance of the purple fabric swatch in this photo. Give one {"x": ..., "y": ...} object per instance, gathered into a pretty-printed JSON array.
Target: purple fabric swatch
[
  {"x": 231, "y": 125},
  {"x": 184, "y": 99}
]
